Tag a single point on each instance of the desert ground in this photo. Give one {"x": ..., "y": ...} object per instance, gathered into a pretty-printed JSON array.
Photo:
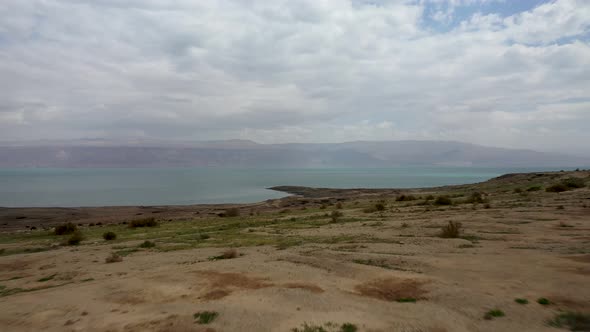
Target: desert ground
[{"x": 509, "y": 254}]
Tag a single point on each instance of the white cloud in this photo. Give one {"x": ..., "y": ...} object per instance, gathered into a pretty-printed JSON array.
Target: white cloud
[{"x": 293, "y": 71}]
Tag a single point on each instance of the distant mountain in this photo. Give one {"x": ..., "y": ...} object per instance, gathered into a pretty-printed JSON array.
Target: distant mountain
[{"x": 242, "y": 153}]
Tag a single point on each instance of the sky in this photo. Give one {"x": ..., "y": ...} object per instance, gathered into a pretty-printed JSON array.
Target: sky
[{"x": 501, "y": 73}]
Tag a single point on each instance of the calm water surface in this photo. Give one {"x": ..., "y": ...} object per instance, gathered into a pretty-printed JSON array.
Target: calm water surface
[{"x": 130, "y": 186}]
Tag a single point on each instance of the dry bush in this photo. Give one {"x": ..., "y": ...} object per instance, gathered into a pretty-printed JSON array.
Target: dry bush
[
  {"x": 75, "y": 238},
  {"x": 443, "y": 200},
  {"x": 335, "y": 216},
  {"x": 113, "y": 258},
  {"x": 451, "y": 230},
  {"x": 233, "y": 212},
  {"x": 108, "y": 236},
  {"x": 405, "y": 198},
  {"x": 67, "y": 228}
]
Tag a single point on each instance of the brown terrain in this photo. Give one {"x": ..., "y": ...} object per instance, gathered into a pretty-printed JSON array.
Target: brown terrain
[{"x": 436, "y": 259}]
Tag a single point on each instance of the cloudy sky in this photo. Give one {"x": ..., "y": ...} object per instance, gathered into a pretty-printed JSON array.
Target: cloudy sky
[{"x": 502, "y": 73}]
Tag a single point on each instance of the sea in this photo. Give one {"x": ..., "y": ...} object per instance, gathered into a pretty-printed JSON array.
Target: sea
[{"x": 77, "y": 187}]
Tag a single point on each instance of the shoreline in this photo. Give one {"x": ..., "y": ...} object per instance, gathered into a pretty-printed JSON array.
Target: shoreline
[{"x": 27, "y": 218}]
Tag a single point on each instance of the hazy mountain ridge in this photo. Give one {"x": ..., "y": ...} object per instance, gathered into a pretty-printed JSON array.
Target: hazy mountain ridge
[{"x": 242, "y": 153}]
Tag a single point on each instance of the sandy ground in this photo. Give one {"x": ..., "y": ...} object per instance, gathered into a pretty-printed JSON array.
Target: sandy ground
[{"x": 530, "y": 245}]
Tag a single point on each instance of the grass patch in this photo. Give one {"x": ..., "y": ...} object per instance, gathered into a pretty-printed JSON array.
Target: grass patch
[
  {"x": 145, "y": 222},
  {"x": 494, "y": 314},
  {"x": 521, "y": 301},
  {"x": 147, "y": 244},
  {"x": 575, "y": 321},
  {"x": 205, "y": 317}
]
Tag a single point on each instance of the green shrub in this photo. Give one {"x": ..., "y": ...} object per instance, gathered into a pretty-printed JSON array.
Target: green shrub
[
  {"x": 75, "y": 238},
  {"x": 348, "y": 327},
  {"x": 109, "y": 236},
  {"x": 451, "y": 230},
  {"x": 147, "y": 244},
  {"x": 574, "y": 183},
  {"x": 443, "y": 200},
  {"x": 67, "y": 228},
  {"x": 521, "y": 301},
  {"x": 534, "y": 188},
  {"x": 494, "y": 313},
  {"x": 146, "y": 222},
  {"x": 205, "y": 317},
  {"x": 575, "y": 321},
  {"x": 543, "y": 301}
]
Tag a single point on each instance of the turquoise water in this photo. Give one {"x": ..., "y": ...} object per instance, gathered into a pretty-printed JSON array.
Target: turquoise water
[{"x": 148, "y": 186}]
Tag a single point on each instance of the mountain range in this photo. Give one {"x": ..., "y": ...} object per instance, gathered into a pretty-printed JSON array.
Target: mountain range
[{"x": 243, "y": 153}]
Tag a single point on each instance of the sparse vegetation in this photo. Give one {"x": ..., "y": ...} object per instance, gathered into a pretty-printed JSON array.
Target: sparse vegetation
[
  {"x": 494, "y": 314},
  {"x": 145, "y": 222},
  {"x": 443, "y": 200},
  {"x": 109, "y": 236},
  {"x": 335, "y": 216},
  {"x": 574, "y": 183},
  {"x": 567, "y": 184},
  {"x": 451, "y": 230},
  {"x": 205, "y": 317},
  {"x": 147, "y": 244},
  {"x": 543, "y": 301},
  {"x": 113, "y": 258},
  {"x": 64, "y": 229},
  {"x": 575, "y": 321},
  {"x": 521, "y": 301},
  {"x": 327, "y": 327}
]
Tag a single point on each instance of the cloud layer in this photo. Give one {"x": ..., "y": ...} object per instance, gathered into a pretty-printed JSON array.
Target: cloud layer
[{"x": 305, "y": 71}]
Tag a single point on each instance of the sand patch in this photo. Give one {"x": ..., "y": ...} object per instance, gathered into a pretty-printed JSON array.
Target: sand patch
[
  {"x": 222, "y": 284},
  {"x": 309, "y": 287},
  {"x": 392, "y": 289}
]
